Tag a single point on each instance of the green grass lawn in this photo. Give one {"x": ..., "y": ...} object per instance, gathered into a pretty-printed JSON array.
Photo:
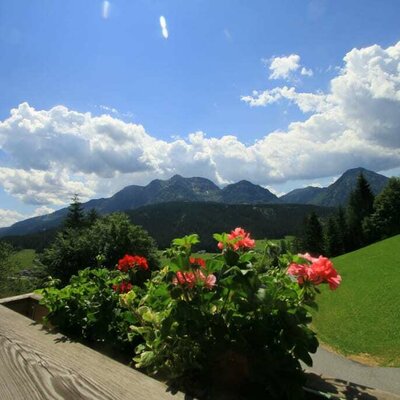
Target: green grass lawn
[
  {"x": 16, "y": 281},
  {"x": 362, "y": 317},
  {"x": 24, "y": 258}
]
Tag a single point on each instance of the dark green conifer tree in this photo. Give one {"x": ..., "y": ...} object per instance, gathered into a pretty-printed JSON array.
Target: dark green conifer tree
[
  {"x": 76, "y": 217},
  {"x": 313, "y": 240},
  {"x": 343, "y": 231},
  {"x": 332, "y": 238},
  {"x": 361, "y": 204},
  {"x": 92, "y": 216},
  {"x": 385, "y": 220}
]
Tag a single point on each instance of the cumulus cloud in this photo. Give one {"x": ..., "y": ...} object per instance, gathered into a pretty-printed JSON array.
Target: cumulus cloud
[
  {"x": 43, "y": 187},
  {"x": 356, "y": 123},
  {"x": 307, "y": 72},
  {"x": 102, "y": 145},
  {"x": 55, "y": 153},
  {"x": 286, "y": 66},
  {"x": 282, "y": 67},
  {"x": 307, "y": 102},
  {"x": 164, "y": 29},
  {"x": 9, "y": 217}
]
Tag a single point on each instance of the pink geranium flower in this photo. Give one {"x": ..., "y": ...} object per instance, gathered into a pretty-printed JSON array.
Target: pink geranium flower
[
  {"x": 190, "y": 279},
  {"x": 317, "y": 270},
  {"x": 210, "y": 281},
  {"x": 238, "y": 239}
]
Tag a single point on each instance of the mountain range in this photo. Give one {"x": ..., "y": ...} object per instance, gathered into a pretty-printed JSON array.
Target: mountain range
[
  {"x": 202, "y": 190},
  {"x": 338, "y": 193}
]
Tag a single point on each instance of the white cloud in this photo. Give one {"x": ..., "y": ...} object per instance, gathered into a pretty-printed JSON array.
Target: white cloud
[
  {"x": 314, "y": 184},
  {"x": 283, "y": 67},
  {"x": 287, "y": 67},
  {"x": 164, "y": 29},
  {"x": 102, "y": 145},
  {"x": 307, "y": 102},
  {"x": 55, "y": 153},
  {"x": 307, "y": 72},
  {"x": 43, "y": 187},
  {"x": 111, "y": 110},
  {"x": 43, "y": 210},
  {"x": 105, "y": 9},
  {"x": 274, "y": 191},
  {"x": 9, "y": 217},
  {"x": 356, "y": 123},
  {"x": 114, "y": 112}
]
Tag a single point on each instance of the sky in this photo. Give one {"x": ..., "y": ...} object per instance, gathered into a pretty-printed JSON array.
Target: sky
[{"x": 97, "y": 95}]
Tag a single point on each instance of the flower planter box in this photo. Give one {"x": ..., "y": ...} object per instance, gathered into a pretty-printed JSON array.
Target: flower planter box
[
  {"x": 38, "y": 365},
  {"x": 27, "y": 305}
]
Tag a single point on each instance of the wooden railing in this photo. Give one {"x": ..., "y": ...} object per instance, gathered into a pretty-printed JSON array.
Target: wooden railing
[{"x": 38, "y": 365}]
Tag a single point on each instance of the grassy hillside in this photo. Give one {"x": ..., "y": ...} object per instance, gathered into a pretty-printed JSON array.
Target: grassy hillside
[
  {"x": 22, "y": 274},
  {"x": 363, "y": 316},
  {"x": 24, "y": 258}
]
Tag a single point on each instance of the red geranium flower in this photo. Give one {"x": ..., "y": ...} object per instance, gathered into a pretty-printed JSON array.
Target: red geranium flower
[
  {"x": 128, "y": 262},
  {"x": 199, "y": 262},
  {"x": 123, "y": 287}
]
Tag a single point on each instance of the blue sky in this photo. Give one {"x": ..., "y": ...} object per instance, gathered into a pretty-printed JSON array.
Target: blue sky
[{"x": 63, "y": 60}]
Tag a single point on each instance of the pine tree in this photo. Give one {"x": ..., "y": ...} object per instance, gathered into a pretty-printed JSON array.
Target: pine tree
[
  {"x": 75, "y": 218},
  {"x": 343, "y": 231},
  {"x": 385, "y": 220},
  {"x": 332, "y": 238},
  {"x": 313, "y": 241},
  {"x": 361, "y": 204},
  {"x": 91, "y": 217}
]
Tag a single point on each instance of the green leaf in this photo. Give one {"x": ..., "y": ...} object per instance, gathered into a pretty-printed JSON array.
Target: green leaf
[
  {"x": 145, "y": 359},
  {"x": 220, "y": 237}
]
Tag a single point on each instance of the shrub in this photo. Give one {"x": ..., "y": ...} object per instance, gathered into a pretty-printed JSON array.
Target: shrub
[
  {"x": 88, "y": 308},
  {"x": 111, "y": 237}
]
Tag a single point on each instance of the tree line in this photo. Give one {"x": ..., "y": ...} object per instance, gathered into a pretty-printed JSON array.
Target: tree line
[{"x": 365, "y": 219}]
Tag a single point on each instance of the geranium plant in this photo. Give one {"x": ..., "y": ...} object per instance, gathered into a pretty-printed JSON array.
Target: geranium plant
[
  {"x": 229, "y": 324},
  {"x": 89, "y": 306},
  {"x": 233, "y": 326}
]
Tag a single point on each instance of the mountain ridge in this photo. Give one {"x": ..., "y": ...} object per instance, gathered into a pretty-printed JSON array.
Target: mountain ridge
[
  {"x": 336, "y": 194},
  {"x": 198, "y": 189}
]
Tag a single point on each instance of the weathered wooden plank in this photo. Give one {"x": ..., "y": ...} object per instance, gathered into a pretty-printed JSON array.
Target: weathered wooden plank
[
  {"x": 24, "y": 296},
  {"x": 26, "y": 304},
  {"x": 37, "y": 365}
]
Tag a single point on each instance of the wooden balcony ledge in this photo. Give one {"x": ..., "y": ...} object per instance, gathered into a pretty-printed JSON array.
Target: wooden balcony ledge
[{"x": 38, "y": 365}]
